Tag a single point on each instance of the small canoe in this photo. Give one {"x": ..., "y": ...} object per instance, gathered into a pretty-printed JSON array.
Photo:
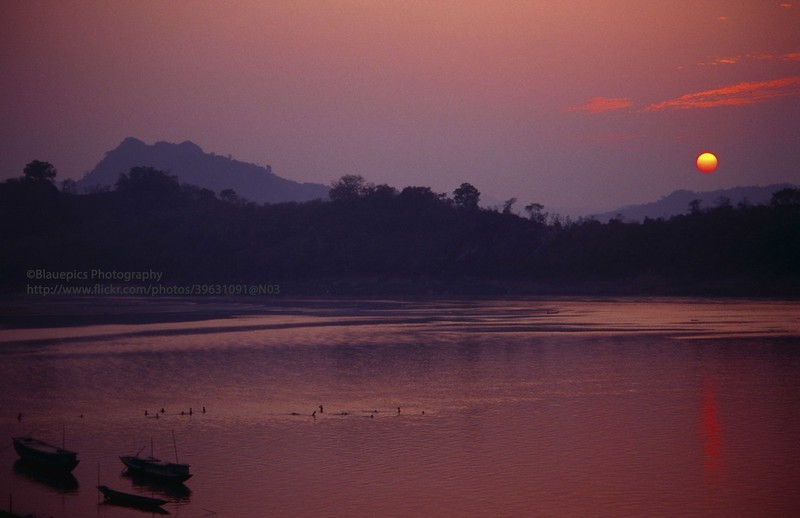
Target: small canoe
[
  {"x": 45, "y": 455},
  {"x": 129, "y": 499}
]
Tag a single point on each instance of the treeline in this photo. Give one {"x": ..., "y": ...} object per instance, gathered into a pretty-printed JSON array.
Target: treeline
[{"x": 378, "y": 240}]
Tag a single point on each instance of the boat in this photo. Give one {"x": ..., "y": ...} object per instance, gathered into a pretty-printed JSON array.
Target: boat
[
  {"x": 156, "y": 468},
  {"x": 44, "y": 455},
  {"x": 131, "y": 500}
]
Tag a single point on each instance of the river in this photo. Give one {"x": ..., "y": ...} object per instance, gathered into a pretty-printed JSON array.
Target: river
[{"x": 522, "y": 407}]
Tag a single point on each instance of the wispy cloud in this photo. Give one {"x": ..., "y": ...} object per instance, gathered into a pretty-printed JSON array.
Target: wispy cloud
[
  {"x": 602, "y": 104},
  {"x": 730, "y": 60},
  {"x": 724, "y": 61},
  {"x": 738, "y": 94}
]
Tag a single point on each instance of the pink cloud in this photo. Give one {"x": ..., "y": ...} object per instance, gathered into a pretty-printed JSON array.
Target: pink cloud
[
  {"x": 730, "y": 60},
  {"x": 722, "y": 61},
  {"x": 597, "y": 105},
  {"x": 738, "y": 94}
]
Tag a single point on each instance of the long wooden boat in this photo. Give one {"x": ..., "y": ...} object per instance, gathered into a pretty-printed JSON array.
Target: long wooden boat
[
  {"x": 156, "y": 468},
  {"x": 130, "y": 499},
  {"x": 44, "y": 455}
]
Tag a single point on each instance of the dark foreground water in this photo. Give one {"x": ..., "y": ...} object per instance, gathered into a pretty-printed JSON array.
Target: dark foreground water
[{"x": 562, "y": 407}]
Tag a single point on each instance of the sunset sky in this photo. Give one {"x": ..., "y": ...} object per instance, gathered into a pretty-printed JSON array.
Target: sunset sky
[{"x": 589, "y": 104}]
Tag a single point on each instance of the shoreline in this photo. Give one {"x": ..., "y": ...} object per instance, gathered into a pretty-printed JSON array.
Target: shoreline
[
  {"x": 30, "y": 312},
  {"x": 20, "y": 311}
]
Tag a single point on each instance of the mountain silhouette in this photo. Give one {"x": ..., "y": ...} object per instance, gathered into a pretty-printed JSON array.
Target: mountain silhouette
[
  {"x": 192, "y": 165},
  {"x": 678, "y": 202}
]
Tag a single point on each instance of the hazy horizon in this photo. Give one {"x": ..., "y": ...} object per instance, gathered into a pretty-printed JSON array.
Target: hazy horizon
[
  {"x": 582, "y": 105},
  {"x": 487, "y": 200}
]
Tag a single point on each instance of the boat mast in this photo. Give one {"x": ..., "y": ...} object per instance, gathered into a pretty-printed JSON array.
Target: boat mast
[{"x": 175, "y": 445}]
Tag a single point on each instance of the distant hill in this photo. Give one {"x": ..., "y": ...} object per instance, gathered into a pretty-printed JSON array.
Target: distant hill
[
  {"x": 678, "y": 202},
  {"x": 191, "y": 165}
]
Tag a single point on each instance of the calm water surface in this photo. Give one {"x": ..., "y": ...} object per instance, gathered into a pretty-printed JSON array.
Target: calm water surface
[{"x": 562, "y": 407}]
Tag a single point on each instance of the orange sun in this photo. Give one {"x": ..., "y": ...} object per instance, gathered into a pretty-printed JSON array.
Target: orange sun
[{"x": 707, "y": 162}]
